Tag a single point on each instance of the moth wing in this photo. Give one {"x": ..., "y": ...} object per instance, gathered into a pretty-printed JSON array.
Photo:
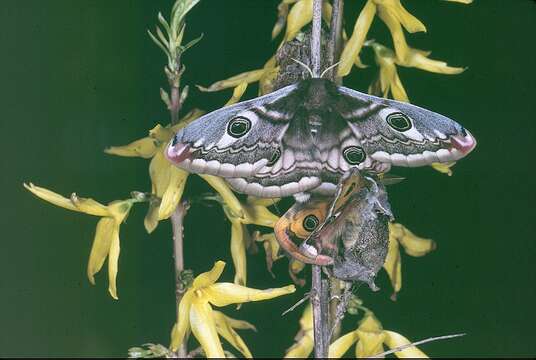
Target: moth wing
[
  {"x": 402, "y": 134},
  {"x": 236, "y": 141},
  {"x": 294, "y": 169}
]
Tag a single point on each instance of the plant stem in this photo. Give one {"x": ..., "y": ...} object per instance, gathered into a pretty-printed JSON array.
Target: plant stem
[
  {"x": 319, "y": 299},
  {"x": 319, "y": 323},
  {"x": 316, "y": 37},
  {"x": 334, "y": 48},
  {"x": 177, "y": 217},
  {"x": 335, "y": 38}
]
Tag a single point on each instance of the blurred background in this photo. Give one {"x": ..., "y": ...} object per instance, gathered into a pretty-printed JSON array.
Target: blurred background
[{"x": 79, "y": 76}]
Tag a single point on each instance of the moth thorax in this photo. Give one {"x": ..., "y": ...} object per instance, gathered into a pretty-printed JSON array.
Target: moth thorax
[{"x": 315, "y": 122}]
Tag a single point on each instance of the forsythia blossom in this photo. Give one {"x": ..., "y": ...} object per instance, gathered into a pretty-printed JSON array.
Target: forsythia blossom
[
  {"x": 370, "y": 338},
  {"x": 412, "y": 244},
  {"x": 196, "y": 313},
  {"x": 106, "y": 241}
]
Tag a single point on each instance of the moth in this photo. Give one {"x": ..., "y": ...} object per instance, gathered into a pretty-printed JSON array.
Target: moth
[
  {"x": 349, "y": 231},
  {"x": 305, "y": 136}
]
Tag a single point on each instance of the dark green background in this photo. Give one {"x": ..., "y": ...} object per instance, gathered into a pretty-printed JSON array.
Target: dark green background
[{"x": 78, "y": 76}]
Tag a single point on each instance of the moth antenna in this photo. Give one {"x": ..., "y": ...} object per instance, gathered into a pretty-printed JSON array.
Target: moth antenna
[
  {"x": 305, "y": 66},
  {"x": 329, "y": 68}
]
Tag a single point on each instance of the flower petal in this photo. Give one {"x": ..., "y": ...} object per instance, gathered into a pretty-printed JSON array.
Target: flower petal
[
  {"x": 237, "y": 93},
  {"x": 181, "y": 327},
  {"x": 303, "y": 347},
  {"x": 394, "y": 340},
  {"x": 282, "y": 13},
  {"x": 228, "y": 196},
  {"x": 393, "y": 264},
  {"x": 113, "y": 262},
  {"x": 88, "y": 206},
  {"x": 151, "y": 218},
  {"x": 233, "y": 81},
  {"x": 173, "y": 193},
  {"x": 222, "y": 294},
  {"x": 253, "y": 200},
  {"x": 260, "y": 215},
  {"x": 444, "y": 168},
  {"x": 144, "y": 148},
  {"x": 340, "y": 346},
  {"x": 225, "y": 329},
  {"x": 355, "y": 43},
  {"x": 418, "y": 59},
  {"x": 369, "y": 344},
  {"x": 408, "y": 21},
  {"x": 210, "y": 277},
  {"x": 238, "y": 252},
  {"x": 371, "y": 336},
  {"x": 399, "y": 40},
  {"x": 159, "y": 171},
  {"x": 413, "y": 245},
  {"x": 300, "y": 14},
  {"x": 101, "y": 246},
  {"x": 204, "y": 329},
  {"x": 239, "y": 324}
]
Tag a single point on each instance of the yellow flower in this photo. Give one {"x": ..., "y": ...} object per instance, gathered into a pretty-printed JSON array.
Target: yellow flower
[
  {"x": 234, "y": 81},
  {"x": 388, "y": 80},
  {"x": 106, "y": 242},
  {"x": 167, "y": 180},
  {"x": 271, "y": 248},
  {"x": 412, "y": 244},
  {"x": 301, "y": 14},
  {"x": 195, "y": 311},
  {"x": 395, "y": 17},
  {"x": 419, "y": 59},
  {"x": 304, "y": 344},
  {"x": 253, "y": 211},
  {"x": 350, "y": 53},
  {"x": 370, "y": 338},
  {"x": 444, "y": 168}
]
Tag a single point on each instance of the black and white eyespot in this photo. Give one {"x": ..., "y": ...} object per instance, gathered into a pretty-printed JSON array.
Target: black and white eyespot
[
  {"x": 354, "y": 155},
  {"x": 238, "y": 127},
  {"x": 310, "y": 222},
  {"x": 275, "y": 157},
  {"x": 399, "y": 121}
]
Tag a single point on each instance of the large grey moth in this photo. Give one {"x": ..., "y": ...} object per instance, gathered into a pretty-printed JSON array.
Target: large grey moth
[{"x": 305, "y": 136}]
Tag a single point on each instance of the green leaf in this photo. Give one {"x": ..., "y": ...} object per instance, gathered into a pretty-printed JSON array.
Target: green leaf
[
  {"x": 157, "y": 42},
  {"x": 179, "y": 11},
  {"x": 192, "y": 43}
]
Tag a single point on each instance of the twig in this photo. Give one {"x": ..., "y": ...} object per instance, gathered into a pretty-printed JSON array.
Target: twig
[
  {"x": 338, "y": 308},
  {"x": 335, "y": 37},
  {"x": 316, "y": 37},
  {"x": 318, "y": 296},
  {"x": 321, "y": 348},
  {"x": 174, "y": 106},
  {"x": 177, "y": 219},
  {"x": 293, "y": 307},
  {"x": 400, "y": 348}
]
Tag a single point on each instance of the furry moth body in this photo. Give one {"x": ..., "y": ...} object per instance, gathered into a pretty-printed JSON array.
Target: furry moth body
[
  {"x": 305, "y": 136},
  {"x": 348, "y": 231}
]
